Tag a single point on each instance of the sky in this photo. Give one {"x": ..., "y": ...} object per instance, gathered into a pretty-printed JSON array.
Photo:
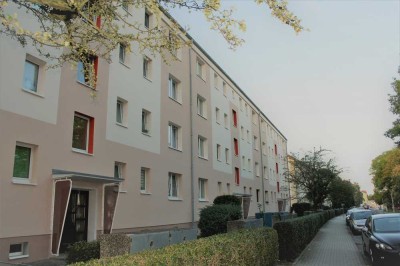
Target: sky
[{"x": 326, "y": 87}]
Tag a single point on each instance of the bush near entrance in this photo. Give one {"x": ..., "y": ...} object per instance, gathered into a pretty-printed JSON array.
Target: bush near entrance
[
  {"x": 83, "y": 251},
  {"x": 295, "y": 234},
  {"x": 214, "y": 218},
  {"x": 301, "y": 207},
  {"x": 227, "y": 199},
  {"x": 244, "y": 247}
]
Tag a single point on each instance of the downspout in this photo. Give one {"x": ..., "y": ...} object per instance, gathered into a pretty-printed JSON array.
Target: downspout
[
  {"x": 288, "y": 183},
  {"x": 262, "y": 164},
  {"x": 191, "y": 138}
]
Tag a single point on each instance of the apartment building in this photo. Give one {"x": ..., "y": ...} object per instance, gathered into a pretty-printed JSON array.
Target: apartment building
[{"x": 156, "y": 143}]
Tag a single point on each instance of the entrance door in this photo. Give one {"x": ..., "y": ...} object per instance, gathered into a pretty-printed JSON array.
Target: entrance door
[{"x": 76, "y": 220}]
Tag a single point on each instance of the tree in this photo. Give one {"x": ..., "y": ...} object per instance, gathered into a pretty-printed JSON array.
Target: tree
[
  {"x": 342, "y": 192},
  {"x": 75, "y": 25},
  {"x": 358, "y": 196},
  {"x": 313, "y": 175},
  {"x": 385, "y": 170},
  {"x": 394, "y": 100}
]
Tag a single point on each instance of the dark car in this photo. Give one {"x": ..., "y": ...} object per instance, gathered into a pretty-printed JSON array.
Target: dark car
[
  {"x": 357, "y": 220},
  {"x": 349, "y": 211},
  {"x": 381, "y": 239}
]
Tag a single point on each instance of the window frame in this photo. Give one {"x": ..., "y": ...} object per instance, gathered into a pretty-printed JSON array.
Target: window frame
[
  {"x": 147, "y": 71},
  {"x": 89, "y": 132},
  {"x": 35, "y": 78},
  {"x": 174, "y": 92},
  {"x": 120, "y": 108},
  {"x": 94, "y": 61},
  {"x": 200, "y": 68},
  {"x": 219, "y": 152},
  {"x": 24, "y": 253},
  {"x": 123, "y": 48},
  {"x": 172, "y": 176},
  {"x": 146, "y": 122},
  {"x": 202, "y": 189},
  {"x": 202, "y": 151},
  {"x": 171, "y": 127},
  {"x": 201, "y": 106},
  {"x": 31, "y": 159},
  {"x": 146, "y": 178}
]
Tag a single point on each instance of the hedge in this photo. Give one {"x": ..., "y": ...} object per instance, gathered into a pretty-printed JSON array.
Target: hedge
[
  {"x": 214, "y": 218},
  {"x": 244, "y": 247},
  {"x": 83, "y": 251},
  {"x": 295, "y": 234},
  {"x": 227, "y": 199}
]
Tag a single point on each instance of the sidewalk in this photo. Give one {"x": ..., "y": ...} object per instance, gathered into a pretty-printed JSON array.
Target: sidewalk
[{"x": 333, "y": 245}]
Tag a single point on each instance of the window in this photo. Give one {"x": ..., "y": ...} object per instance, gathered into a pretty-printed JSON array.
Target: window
[
  {"x": 22, "y": 161},
  {"x": 217, "y": 115},
  {"x": 174, "y": 136},
  {"x": 277, "y": 168},
  {"x": 227, "y": 155},
  {"x": 264, "y": 148},
  {"x": 237, "y": 176},
  {"x": 147, "y": 19},
  {"x": 276, "y": 149},
  {"x": 215, "y": 81},
  {"x": 234, "y": 118},
  {"x": 249, "y": 166},
  {"x": 87, "y": 71},
  {"x": 173, "y": 89},
  {"x": 144, "y": 180},
  {"x": 254, "y": 116},
  {"x": 218, "y": 152},
  {"x": 258, "y": 195},
  {"x": 219, "y": 188},
  {"x": 146, "y": 67},
  {"x": 246, "y": 109},
  {"x": 242, "y": 132},
  {"x": 202, "y": 189},
  {"x": 241, "y": 104},
  {"x": 200, "y": 68},
  {"x": 120, "y": 111},
  {"x": 255, "y": 144},
  {"x": 256, "y": 165},
  {"x": 18, "y": 250},
  {"x": 122, "y": 53},
  {"x": 31, "y": 75},
  {"x": 265, "y": 172},
  {"x": 251, "y": 191},
  {"x": 277, "y": 186},
  {"x": 82, "y": 136},
  {"x": 201, "y": 106},
  {"x": 236, "y": 145},
  {"x": 244, "y": 190},
  {"x": 173, "y": 185},
  {"x": 248, "y": 136},
  {"x": 243, "y": 162},
  {"x": 228, "y": 188},
  {"x": 225, "y": 90},
  {"x": 267, "y": 196},
  {"x": 226, "y": 120},
  {"x": 146, "y": 115},
  {"x": 202, "y": 147}
]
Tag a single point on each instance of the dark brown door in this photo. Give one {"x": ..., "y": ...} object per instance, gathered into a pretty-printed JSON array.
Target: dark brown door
[{"x": 76, "y": 220}]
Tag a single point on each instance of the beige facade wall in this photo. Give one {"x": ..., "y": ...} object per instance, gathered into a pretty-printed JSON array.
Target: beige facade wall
[{"x": 46, "y": 123}]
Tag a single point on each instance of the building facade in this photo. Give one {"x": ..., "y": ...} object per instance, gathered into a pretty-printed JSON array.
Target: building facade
[{"x": 144, "y": 150}]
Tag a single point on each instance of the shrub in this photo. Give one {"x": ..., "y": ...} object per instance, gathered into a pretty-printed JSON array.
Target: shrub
[
  {"x": 301, "y": 207},
  {"x": 213, "y": 218},
  {"x": 114, "y": 245},
  {"x": 244, "y": 247},
  {"x": 227, "y": 199},
  {"x": 83, "y": 251}
]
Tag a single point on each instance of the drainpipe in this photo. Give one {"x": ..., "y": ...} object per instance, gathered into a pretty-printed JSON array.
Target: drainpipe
[
  {"x": 287, "y": 183},
  {"x": 191, "y": 138},
  {"x": 261, "y": 162}
]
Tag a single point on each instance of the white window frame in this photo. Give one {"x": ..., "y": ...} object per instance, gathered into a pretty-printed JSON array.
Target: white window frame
[
  {"x": 173, "y": 128},
  {"x": 218, "y": 152},
  {"x": 249, "y": 165},
  {"x": 200, "y": 69},
  {"x": 202, "y": 147},
  {"x": 216, "y": 81},
  {"x": 174, "y": 89},
  {"x": 41, "y": 72},
  {"x": 147, "y": 64},
  {"x": 227, "y": 158},
  {"x": 24, "y": 180},
  {"x": 146, "y": 179},
  {"x": 226, "y": 120},
  {"x": 257, "y": 166},
  {"x": 146, "y": 122},
  {"x": 24, "y": 253},
  {"x": 148, "y": 15},
  {"x": 86, "y": 150},
  {"x": 120, "y": 107},
  {"x": 36, "y": 76},
  {"x": 243, "y": 162},
  {"x": 255, "y": 139},
  {"x": 123, "y": 48},
  {"x": 202, "y": 189},
  {"x": 225, "y": 89},
  {"x": 242, "y": 132},
  {"x": 172, "y": 176},
  {"x": 217, "y": 115},
  {"x": 201, "y": 106}
]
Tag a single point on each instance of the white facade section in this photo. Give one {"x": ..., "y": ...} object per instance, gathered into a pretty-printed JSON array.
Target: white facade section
[
  {"x": 246, "y": 139},
  {"x": 220, "y": 134},
  {"x": 41, "y": 105},
  {"x": 127, "y": 83}
]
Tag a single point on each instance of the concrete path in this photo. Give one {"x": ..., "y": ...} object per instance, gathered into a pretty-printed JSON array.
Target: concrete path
[{"x": 333, "y": 245}]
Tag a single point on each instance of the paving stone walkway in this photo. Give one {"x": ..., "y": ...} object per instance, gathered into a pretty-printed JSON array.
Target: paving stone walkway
[{"x": 332, "y": 246}]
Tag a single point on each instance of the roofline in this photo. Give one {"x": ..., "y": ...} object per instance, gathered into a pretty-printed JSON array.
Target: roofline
[{"x": 219, "y": 68}]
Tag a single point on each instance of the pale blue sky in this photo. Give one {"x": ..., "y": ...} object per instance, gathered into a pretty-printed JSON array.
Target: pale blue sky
[{"x": 327, "y": 87}]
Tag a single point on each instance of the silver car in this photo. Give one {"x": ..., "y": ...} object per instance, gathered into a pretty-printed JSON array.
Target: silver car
[{"x": 357, "y": 220}]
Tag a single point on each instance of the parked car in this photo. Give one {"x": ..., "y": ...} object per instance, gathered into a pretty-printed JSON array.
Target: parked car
[
  {"x": 349, "y": 211},
  {"x": 357, "y": 220},
  {"x": 381, "y": 238}
]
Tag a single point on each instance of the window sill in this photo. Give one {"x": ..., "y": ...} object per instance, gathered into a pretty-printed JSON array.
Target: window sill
[
  {"x": 148, "y": 79},
  {"x": 219, "y": 160},
  {"x": 203, "y": 200},
  {"x": 202, "y": 116},
  {"x": 174, "y": 199},
  {"x": 203, "y": 158},
  {"x": 203, "y": 79},
  {"x": 32, "y": 92},
  {"x": 18, "y": 257},
  {"x": 84, "y": 84},
  {"x": 125, "y": 65},
  {"x": 217, "y": 122},
  {"x": 175, "y": 149},
  {"x": 22, "y": 181},
  {"x": 145, "y": 193},
  {"x": 146, "y": 134},
  {"x": 175, "y": 100},
  {"x": 123, "y": 191},
  {"x": 82, "y": 152},
  {"x": 121, "y": 125}
]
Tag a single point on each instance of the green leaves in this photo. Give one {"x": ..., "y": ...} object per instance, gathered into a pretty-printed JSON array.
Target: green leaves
[{"x": 394, "y": 100}]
